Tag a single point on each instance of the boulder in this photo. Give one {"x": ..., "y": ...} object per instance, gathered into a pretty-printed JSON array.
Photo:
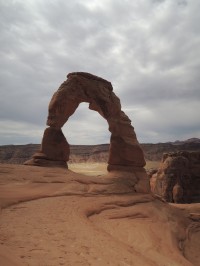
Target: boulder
[{"x": 178, "y": 177}]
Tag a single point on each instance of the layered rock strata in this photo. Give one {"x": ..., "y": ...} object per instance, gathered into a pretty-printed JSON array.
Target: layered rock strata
[{"x": 125, "y": 153}]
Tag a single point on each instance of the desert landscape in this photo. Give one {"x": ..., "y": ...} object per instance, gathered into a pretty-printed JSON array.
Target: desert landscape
[
  {"x": 83, "y": 211},
  {"x": 54, "y": 216},
  {"x": 99, "y": 133}
]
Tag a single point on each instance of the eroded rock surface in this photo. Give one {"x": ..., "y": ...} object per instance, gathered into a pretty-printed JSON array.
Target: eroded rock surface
[
  {"x": 52, "y": 216},
  {"x": 54, "y": 149},
  {"x": 178, "y": 178},
  {"x": 125, "y": 153}
]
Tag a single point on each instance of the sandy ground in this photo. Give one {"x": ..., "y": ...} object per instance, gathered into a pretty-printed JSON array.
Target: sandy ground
[
  {"x": 96, "y": 169},
  {"x": 52, "y": 216}
]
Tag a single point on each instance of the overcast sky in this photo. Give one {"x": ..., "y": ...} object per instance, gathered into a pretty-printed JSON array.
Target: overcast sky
[{"x": 148, "y": 49}]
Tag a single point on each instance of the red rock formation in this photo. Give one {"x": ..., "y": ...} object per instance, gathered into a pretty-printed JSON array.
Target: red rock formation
[
  {"x": 54, "y": 149},
  {"x": 178, "y": 178},
  {"x": 125, "y": 153}
]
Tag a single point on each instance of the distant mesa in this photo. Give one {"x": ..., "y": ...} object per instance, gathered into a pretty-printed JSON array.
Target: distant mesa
[
  {"x": 125, "y": 153},
  {"x": 188, "y": 141}
]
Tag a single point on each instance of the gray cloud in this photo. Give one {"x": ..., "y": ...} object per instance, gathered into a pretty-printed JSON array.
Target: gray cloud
[{"x": 149, "y": 50}]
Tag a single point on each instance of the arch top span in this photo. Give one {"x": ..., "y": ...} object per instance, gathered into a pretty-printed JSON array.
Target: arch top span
[
  {"x": 82, "y": 87},
  {"x": 91, "y": 77},
  {"x": 125, "y": 153}
]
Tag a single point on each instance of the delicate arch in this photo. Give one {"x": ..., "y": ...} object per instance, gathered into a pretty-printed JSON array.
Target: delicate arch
[{"x": 125, "y": 152}]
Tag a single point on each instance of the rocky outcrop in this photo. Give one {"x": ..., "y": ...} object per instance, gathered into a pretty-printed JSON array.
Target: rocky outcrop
[
  {"x": 54, "y": 149},
  {"x": 125, "y": 153},
  {"x": 178, "y": 177}
]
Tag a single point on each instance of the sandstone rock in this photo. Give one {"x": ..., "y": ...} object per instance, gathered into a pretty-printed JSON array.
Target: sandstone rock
[
  {"x": 54, "y": 149},
  {"x": 178, "y": 178},
  {"x": 125, "y": 153}
]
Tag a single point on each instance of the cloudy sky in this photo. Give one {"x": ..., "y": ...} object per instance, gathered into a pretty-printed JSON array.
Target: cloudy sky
[{"x": 148, "y": 49}]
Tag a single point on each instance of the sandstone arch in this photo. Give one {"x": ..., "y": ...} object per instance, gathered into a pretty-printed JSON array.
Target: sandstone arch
[{"x": 125, "y": 153}]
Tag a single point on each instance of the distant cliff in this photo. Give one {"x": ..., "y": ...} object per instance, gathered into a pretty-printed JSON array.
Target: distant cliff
[
  {"x": 154, "y": 152},
  {"x": 18, "y": 154}
]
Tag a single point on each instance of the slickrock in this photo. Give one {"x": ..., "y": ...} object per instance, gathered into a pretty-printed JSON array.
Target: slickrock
[{"x": 53, "y": 216}]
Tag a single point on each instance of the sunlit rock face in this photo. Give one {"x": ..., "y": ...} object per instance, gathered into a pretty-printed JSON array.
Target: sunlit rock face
[
  {"x": 125, "y": 153},
  {"x": 178, "y": 177}
]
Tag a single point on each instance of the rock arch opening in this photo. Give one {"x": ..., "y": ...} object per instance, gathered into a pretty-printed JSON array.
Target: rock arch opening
[
  {"x": 86, "y": 127},
  {"x": 88, "y": 136},
  {"x": 125, "y": 153}
]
